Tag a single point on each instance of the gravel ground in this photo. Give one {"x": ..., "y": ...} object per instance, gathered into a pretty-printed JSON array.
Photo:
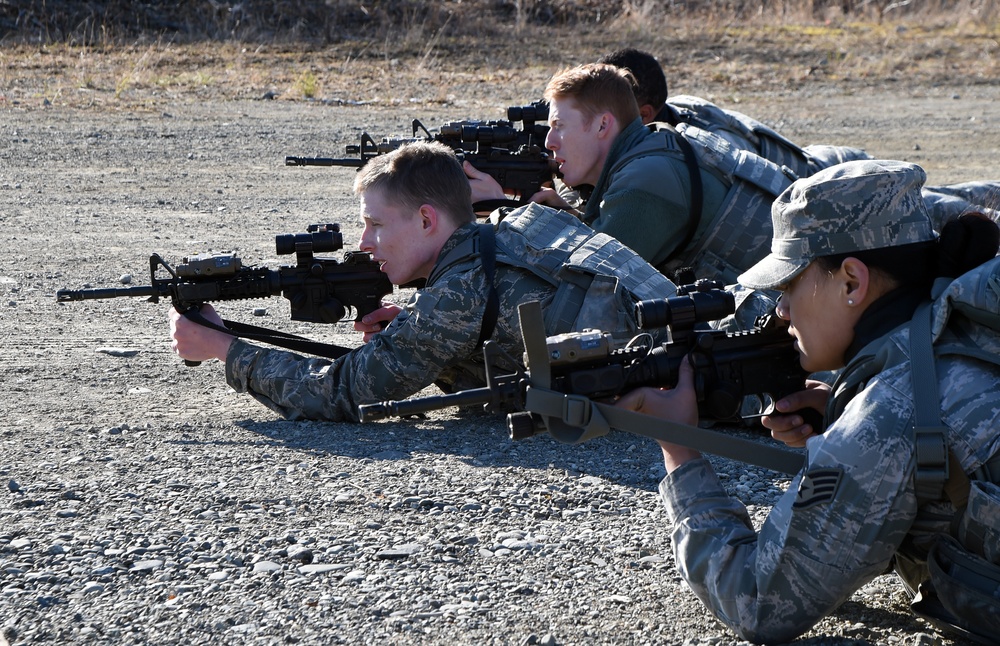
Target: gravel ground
[{"x": 146, "y": 503}]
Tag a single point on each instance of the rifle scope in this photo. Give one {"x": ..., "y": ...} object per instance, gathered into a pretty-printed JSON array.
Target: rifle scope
[
  {"x": 537, "y": 111},
  {"x": 488, "y": 133},
  {"x": 318, "y": 238},
  {"x": 683, "y": 312}
]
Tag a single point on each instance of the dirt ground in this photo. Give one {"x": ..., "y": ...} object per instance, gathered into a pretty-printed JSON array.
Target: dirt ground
[
  {"x": 90, "y": 187},
  {"x": 89, "y": 194}
]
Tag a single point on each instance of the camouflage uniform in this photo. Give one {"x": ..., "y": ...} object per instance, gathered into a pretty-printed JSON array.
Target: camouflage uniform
[
  {"x": 432, "y": 341},
  {"x": 746, "y": 133},
  {"x": 853, "y": 511}
]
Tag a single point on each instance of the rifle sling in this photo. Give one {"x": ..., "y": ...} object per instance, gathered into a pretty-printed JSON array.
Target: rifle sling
[
  {"x": 488, "y": 259},
  {"x": 697, "y": 194},
  {"x": 600, "y": 417},
  {"x": 272, "y": 337}
]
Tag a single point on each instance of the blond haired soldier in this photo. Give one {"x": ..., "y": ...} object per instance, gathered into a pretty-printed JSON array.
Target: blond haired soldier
[{"x": 419, "y": 225}]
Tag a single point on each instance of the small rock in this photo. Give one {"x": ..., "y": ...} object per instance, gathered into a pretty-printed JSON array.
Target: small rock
[
  {"x": 400, "y": 551},
  {"x": 146, "y": 566},
  {"x": 266, "y": 566},
  {"x": 118, "y": 352}
]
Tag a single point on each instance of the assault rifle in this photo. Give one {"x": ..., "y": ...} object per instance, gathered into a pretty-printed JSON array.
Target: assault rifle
[
  {"x": 319, "y": 290},
  {"x": 569, "y": 374},
  {"x": 515, "y": 157}
]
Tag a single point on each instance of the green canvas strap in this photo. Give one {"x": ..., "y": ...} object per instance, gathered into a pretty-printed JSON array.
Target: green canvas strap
[
  {"x": 931, "y": 448},
  {"x": 592, "y": 419}
]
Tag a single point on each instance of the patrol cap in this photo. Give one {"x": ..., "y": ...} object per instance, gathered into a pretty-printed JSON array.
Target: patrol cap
[{"x": 854, "y": 206}]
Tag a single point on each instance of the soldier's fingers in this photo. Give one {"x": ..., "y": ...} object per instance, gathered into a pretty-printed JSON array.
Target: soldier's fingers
[{"x": 795, "y": 436}]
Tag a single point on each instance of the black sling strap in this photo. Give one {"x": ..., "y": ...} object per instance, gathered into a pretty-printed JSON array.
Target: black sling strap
[
  {"x": 272, "y": 337},
  {"x": 488, "y": 258},
  {"x": 697, "y": 193}
]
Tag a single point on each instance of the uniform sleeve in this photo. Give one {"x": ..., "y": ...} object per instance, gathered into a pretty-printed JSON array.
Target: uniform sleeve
[
  {"x": 836, "y": 528},
  {"x": 438, "y": 327}
]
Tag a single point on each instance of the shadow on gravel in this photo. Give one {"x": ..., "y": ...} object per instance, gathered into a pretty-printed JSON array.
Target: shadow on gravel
[
  {"x": 480, "y": 441},
  {"x": 860, "y": 616}
]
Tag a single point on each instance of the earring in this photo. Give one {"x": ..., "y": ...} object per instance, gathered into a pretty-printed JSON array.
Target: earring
[{"x": 850, "y": 301}]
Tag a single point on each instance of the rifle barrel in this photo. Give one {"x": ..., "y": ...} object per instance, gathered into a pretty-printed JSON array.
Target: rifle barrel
[
  {"x": 65, "y": 295},
  {"x": 407, "y": 407},
  {"x": 323, "y": 161}
]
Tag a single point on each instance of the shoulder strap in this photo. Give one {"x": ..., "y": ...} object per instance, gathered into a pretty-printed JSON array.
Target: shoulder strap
[
  {"x": 488, "y": 258},
  {"x": 272, "y": 337},
  {"x": 931, "y": 472},
  {"x": 697, "y": 194}
]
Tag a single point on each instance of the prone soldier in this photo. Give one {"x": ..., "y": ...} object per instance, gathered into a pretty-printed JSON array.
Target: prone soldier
[{"x": 419, "y": 225}]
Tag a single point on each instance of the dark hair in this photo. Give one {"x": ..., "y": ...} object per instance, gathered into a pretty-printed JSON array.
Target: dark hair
[
  {"x": 650, "y": 82},
  {"x": 420, "y": 173},
  {"x": 965, "y": 243}
]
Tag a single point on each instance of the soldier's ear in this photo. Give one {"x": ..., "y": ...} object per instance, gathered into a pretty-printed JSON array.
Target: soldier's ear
[
  {"x": 429, "y": 217},
  {"x": 856, "y": 280},
  {"x": 604, "y": 126}
]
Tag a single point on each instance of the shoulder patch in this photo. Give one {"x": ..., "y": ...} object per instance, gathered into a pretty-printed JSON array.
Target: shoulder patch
[{"x": 818, "y": 487}]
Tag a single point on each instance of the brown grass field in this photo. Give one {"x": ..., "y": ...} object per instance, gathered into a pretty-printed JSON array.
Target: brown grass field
[{"x": 463, "y": 51}]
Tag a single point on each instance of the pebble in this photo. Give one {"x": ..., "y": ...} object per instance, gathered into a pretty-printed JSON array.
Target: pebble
[{"x": 149, "y": 503}]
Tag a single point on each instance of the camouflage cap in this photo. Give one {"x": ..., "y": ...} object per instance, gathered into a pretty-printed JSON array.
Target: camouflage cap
[{"x": 854, "y": 206}]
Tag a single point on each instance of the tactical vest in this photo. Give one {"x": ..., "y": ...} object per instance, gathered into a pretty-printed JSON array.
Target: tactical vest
[
  {"x": 597, "y": 278},
  {"x": 739, "y": 234},
  {"x": 963, "y": 592}
]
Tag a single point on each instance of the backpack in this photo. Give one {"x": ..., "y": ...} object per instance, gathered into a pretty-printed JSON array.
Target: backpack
[
  {"x": 597, "y": 279},
  {"x": 963, "y": 591},
  {"x": 741, "y": 130},
  {"x": 738, "y": 235}
]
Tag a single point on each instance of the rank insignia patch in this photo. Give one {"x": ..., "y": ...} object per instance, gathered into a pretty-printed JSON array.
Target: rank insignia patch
[{"x": 818, "y": 487}]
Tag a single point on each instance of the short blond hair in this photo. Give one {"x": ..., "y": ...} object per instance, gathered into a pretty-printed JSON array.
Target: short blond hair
[
  {"x": 597, "y": 88},
  {"x": 420, "y": 173}
]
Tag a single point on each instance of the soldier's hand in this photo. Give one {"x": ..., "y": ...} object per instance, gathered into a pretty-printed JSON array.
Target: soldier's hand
[
  {"x": 483, "y": 186},
  {"x": 551, "y": 197},
  {"x": 787, "y": 425},
  {"x": 194, "y": 342},
  {"x": 375, "y": 321},
  {"x": 679, "y": 404}
]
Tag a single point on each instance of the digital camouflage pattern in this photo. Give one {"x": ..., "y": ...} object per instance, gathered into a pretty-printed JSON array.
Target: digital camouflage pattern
[
  {"x": 432, "y": 341},
  {"x": 843, "y": 518},
  {"x": 853, "y": 510},
  {"x": 854, "y": 206},
  {"x": 746, "y": 133}
]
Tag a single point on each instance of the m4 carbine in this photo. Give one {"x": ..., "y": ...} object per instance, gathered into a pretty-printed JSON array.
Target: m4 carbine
[
  {"x": 515, "y": 157},
  {"x": 319, "y": 290},
  {"x": 731, "y": 369}
]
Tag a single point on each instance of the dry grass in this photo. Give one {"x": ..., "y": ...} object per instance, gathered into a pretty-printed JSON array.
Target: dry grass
[{"x": 433, "y": 59}]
